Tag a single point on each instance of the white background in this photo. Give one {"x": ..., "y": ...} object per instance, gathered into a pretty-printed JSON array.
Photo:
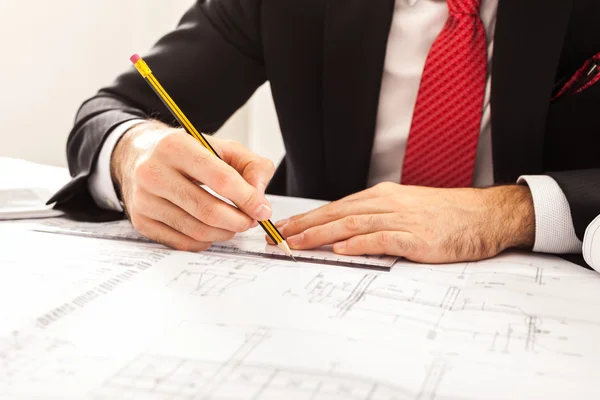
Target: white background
[{"x": 55, "y": 54}]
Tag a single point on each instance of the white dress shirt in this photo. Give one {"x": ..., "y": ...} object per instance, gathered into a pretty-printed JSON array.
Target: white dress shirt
[{"x": 415, "y": 26}]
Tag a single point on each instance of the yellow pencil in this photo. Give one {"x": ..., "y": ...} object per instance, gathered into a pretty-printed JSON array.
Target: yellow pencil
[{"x": 146, "y": 73}]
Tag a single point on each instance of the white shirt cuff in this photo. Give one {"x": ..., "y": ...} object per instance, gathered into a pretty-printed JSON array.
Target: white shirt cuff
[
  {"x": 100, "y": 183},
  {"x": 554, "y": 229},
  {"x": 591, "y": 245}
]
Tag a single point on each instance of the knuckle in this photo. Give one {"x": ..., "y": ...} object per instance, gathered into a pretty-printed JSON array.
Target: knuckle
[
  {"x": 330, "y": 212},
  {"x": 235, "y": 145},
  {"x": 204, "y": 246},
  {"x": 269, "y": 165},
  {"x": 202, "y": 157},
  {"x": 246, "y": 225},
  {"x": 148, "y": 173},
  {"x": 226, "y": 236},
  {"x": 222, "y": 180},
  {"x": 192, "y": 246},
  {"x": 386, "y": 240},
  {"x": 381, "y": 187},
  {"x": 384, "y": 188},
  {"x": 169, "y": 144},
  {"x": 199, "y": 231},
  {"x": 179, "y": 224},
  {"x": 251, "y": 199},
  {"x": 230, "y": 143},
  {"x": 229, "y": 236},
  {"x": 188, "y": 246},
  {"x": 293, "y": 225},
  {"x": 207, "y": 213},
  {"x": 353, "y": 223},
  {"x": 184, "y": 193}
]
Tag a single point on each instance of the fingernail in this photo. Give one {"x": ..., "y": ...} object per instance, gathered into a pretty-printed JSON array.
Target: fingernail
[
  {"x": 341, "y": 246},
  {"x": 263, "y": 212},
  {"x": 295, "y": 240},
  {"x": 282, "y": 223}
]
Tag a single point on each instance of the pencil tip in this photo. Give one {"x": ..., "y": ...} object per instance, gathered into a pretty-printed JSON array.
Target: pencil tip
[{"x": 286, "y": 249}]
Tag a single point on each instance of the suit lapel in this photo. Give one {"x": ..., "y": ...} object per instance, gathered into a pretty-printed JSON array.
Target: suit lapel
[
  {"x": 527, "y": 47},
  {"x": 356, "y": 33}
]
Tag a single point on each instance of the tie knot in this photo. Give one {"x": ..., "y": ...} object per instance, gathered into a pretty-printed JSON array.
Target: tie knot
[{"x": 464, "y": 6}]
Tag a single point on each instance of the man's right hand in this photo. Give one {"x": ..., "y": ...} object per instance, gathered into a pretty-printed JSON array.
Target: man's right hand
[{"x": 158, "y": 170}]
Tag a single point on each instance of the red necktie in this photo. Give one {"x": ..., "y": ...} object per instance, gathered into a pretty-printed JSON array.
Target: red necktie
[{"x": 446, "y": 124}]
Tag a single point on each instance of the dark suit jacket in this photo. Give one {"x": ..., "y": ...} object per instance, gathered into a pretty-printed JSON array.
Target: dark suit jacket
[{"x": 324, "y": 60}]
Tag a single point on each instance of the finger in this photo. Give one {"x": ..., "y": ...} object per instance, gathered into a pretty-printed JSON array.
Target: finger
[
  {"x": 256, "y": 170},
  {"x": 345, "y": 228},
  {"x": 164, "y": 234},
  {"x": 173, "y": 216},
  {"x": 205, "y": 167},
  {"x": 333, "y": 212},
  {"x": 381, "y": 190},
  {"x": 269, "y": 240},
  {"x": 401, "y": 244},
  {"x": 197, "y": 202}
]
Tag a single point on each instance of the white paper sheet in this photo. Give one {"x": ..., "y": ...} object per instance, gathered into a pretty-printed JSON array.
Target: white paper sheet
[
  {"x": 21, "y": 203},
  {"x": 25, "y": 187},
  {"x": 101, "y": 319},
  {"x": 251, "y": 243}
]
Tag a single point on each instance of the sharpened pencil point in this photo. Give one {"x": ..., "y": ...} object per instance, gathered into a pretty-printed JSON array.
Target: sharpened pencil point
[{"x": 286, "y": 249}]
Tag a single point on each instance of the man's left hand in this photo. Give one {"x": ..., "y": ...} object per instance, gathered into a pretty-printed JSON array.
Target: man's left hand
[{"x": 425, "y": 225}]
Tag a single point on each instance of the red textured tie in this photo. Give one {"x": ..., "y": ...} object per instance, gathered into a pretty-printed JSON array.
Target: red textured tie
[{"x": 442, "y": 143}]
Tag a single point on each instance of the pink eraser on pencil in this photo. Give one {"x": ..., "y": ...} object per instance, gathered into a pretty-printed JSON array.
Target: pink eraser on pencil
[{"x": 135, "y": 58}]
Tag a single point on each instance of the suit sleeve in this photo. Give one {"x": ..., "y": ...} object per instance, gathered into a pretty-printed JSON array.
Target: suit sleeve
[
  {"x": 582, "y": 190},
  {"x": 211, "y": 64}
]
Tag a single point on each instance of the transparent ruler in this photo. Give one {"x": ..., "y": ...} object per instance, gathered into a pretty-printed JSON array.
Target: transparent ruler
[{"x": 251, "y": 243}]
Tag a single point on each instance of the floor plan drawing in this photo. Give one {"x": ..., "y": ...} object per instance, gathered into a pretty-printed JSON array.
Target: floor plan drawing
[
  {"x": 210, "y": 282},
  {"x": 244, "y": 373},
  {"x": 214, "y": 275}
]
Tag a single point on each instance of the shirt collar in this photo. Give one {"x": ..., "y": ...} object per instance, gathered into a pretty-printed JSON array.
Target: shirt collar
[{"x": 406, "y": 3}]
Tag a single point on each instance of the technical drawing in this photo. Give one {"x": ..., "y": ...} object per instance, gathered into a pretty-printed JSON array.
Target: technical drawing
[
  {"x": 381, "y": 299},
  {"x": 186, "y": 379},
  {"x": 28, "y": 360},
  {"x": 139, "y": 322},
  {"x": 211, "y": 282},
  {"x": 214, "y": 276},
  {"x": 353, "y": 293},
  {"x": 155, "y": 376},
  {"x": 431, "y": 383}
]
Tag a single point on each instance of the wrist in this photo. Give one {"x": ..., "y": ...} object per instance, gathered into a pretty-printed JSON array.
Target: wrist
[
  {"x": 124, "y": 153},
  {"x": 513, "y": 216}
]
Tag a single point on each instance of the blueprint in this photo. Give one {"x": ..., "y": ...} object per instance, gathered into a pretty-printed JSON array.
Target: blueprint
[{"x": 85, "y": 318}]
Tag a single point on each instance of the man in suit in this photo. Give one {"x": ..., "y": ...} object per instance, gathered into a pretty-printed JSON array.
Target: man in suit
[{"x": 442, "y": 130}]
